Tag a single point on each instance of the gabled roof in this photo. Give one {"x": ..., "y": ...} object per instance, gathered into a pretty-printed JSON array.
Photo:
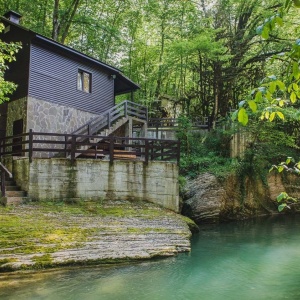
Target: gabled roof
[{"x": 122, "y": 83}]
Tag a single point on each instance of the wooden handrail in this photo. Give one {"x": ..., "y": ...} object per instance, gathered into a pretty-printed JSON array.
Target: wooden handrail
[
  {"x": 173, "y": 122},
  {"x": 4, "y": 171},
  {"x": 123, "y": 109}
]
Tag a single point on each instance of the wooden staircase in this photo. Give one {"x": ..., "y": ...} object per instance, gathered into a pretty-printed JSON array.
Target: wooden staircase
[{"x": 111, "y": 120}]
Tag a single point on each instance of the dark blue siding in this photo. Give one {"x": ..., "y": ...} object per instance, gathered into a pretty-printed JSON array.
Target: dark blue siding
[{"x": 53, "y": 78}]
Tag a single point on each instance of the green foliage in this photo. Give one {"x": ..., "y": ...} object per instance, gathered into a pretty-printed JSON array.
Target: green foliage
[
  {"x": 207, "y": 152},
  {"x": 7, "y": 55},
  {"x": 183, "y": 132}
]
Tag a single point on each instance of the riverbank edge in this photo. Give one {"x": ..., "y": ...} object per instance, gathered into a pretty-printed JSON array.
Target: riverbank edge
[{"x": 169, "y": 232}]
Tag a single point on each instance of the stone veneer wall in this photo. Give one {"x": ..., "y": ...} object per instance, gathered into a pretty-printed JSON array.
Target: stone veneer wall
[
  {"x": 49, "y": 117},
  {"x": 57, "y": 178},
  {"x": 45, "y": 116}
]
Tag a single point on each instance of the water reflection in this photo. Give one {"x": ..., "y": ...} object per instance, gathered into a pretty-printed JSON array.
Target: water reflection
[{"x": 255, "y": 259}]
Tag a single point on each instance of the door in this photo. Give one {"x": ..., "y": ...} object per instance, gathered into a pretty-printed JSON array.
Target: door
[{"x": 17, "y": 129}]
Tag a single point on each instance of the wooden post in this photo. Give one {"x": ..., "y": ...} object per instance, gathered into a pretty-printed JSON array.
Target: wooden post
[
  {"x": 73, "y": 148},
  {"x": 146, "y": 152},
  {"x": 178, "y": 153},
  {"x": 66, "y": 146},
  {"x": 111, "y": 149},
  {"x": 3, "y": 183},
  {"x": 125, "y": 109},
  {"x": 30, "y": 147},
  {"x": 108, "y": 119}
]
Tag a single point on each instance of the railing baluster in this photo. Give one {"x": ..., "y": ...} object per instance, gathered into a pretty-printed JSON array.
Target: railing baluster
[
  {"x": 30, "y": 145},
  {"x": 125, "y": 109},
  {"x": 3, "y": 183},
  {"x": 73, "y": 148},
  {"x": 111, "y": 149},
  {"x": 146, "y": 152}
]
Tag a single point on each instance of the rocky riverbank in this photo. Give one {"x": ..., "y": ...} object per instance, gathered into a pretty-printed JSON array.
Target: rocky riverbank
[
  {"x": 208, "y": 199},
  {"x": 51, "y": 234}
]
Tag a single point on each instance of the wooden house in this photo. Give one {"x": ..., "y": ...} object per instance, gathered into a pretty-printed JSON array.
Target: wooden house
[
  {"x": 59, "y": 89},
  {"x": 63, "y": 109}
]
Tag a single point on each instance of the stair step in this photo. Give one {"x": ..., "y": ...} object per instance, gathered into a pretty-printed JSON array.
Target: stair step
[
  {"x": 10, "y": 182},
  {"x": 15, "y": 194},
  {"x": 12, "y": 188},
  {"x": 14, "y": 200}
]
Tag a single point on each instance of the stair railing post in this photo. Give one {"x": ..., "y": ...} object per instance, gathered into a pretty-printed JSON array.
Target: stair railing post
[
  {"x": 66, "y": 146},
  {"x": 3, "y": 183},
  {"x": 73, "y": 148},
  {"x": 108, "y": 120},
  {"x": 111, "y": 149},
  {"x": 178, "y": 153},
  {"x": 125, "y": 109},
  {"x": 30, "y": 145},
  {"x": 146, "y": 152}
]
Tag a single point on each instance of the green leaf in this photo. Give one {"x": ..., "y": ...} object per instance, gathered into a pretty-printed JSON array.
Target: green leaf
[
  {"x": 295, "y": 70},
  {"x": 279, "y": 21},
  {"x": 243, "y": 116},
  {"x": 234, "y": 115},
  {"x": 293, "y": 97},
  {"x": 280, "y": 169},
  {"x": 281, "y": 196},
  {"x": 272, "y": 87},
  {"x": 281, "y": 85},
  {"x": 280, "y": 115},
  {"x": 252, "y": 105},
  {"x": 281, "y": 207},
  {"x": 265, "y": 32},
  {"x": 272, "y": 116},
  {"x": 258, "y": 96},
  {"x": 295, "y": 87},
  {"x": 281, "y": 103}
]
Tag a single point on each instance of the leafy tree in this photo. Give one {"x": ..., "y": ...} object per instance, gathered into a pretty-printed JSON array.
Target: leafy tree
[
  {"x": 275, "y": 100},
  {"x": 7, "y": 54}
]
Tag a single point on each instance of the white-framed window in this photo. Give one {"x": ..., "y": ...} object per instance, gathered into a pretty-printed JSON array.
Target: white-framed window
[{"x": 84, "y": 81}]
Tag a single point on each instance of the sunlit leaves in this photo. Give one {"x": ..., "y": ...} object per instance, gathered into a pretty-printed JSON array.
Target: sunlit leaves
[
  {"x": 243, "y": 116},
  {"x": 252, "y": 104}
]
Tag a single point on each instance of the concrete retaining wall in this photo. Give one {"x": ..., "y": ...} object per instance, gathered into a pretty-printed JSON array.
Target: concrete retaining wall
[{"x": 43, "y": 179}]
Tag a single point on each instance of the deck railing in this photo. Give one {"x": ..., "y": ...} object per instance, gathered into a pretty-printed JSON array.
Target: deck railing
[
  {"x": 173, "y": 122},
  {"x": 37, "y": 144},
  {"x": 106, "y": 119}
]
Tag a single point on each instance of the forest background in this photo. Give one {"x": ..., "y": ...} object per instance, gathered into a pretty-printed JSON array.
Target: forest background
[
  {"x": 197, "y": 58},
  {"x": 201, "y": 57}
]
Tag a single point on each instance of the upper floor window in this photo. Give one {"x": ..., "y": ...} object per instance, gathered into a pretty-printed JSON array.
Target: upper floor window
[{"x": 84, "y": 81}]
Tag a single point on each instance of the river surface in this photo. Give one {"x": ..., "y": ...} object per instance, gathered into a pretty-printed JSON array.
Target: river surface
[{"x": 255, "y": 259}]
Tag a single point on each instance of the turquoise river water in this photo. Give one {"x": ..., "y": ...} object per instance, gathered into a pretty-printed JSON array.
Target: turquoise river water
[{"x": 255, "y": 259}]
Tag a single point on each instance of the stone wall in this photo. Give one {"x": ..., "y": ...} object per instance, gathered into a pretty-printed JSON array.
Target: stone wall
[
  {"x": 49, "y": 117},
  {"x": 45, "y": 116},
  {"x": 57, "y": 178}
]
